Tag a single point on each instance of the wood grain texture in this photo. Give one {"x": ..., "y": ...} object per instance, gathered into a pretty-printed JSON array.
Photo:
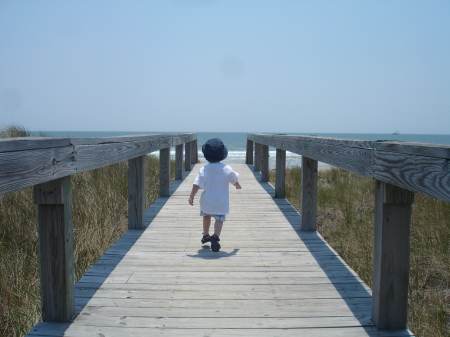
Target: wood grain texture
[
  {"x": 179, "y": 162},
  {"x": 31, "y": 143},
  {"x": 421, "y": 168},
  {"x": 391, "y": 256},
  {"x": 30, "y": 161},
  {"x": 187, "y": 156},
  {"x": 249, "y": 152},
  {"x": 56, "y": 249},
  {"x": 280, "y": 179},
  {"x": 268, "y": 279},
  {"x": 309, "y": 194},
  {"x": 354, "y": 156},
  {"x": 264, "y": 163},
  {"x": 164, "y": 172},
  {"x": 257, "y": 161},
  {"x": 136, "y": 192},
  {"x": 429, "y": 176}
]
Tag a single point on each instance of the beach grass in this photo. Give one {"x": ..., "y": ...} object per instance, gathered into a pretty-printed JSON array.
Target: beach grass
[
  {"x": 345, "y": 218},
  {"x": 100, "y": 206}
]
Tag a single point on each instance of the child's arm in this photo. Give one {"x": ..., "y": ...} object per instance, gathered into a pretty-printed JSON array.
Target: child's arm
[
  {"x": 194, "y": 191},
  {"x": 238, "y": 186}
]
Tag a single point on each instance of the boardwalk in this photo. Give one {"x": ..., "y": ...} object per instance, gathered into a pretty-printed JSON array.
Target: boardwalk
[{"x": 267, "y": 280}]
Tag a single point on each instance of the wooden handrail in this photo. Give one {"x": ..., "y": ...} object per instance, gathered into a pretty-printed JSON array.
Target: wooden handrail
[
  {"x": 48, "y": 163},
  {"x": 29, "y": 161},
  {"x": 398, "y": 168},
  {"x": 417, "y": 167}
]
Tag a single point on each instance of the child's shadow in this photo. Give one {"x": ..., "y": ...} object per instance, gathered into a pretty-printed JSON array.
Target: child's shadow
[{"x": 206, "y": 253}]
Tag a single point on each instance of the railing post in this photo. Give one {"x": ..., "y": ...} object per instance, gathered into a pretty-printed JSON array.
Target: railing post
[
  {"x": 393, "y": 207},
  {"x": 264, "y": 163},
  {"x": 309, "y": 194},
  {"x": 179, "y": 162},
  {"x": 54, "y": 200},
  {"x": 193, "y": 151},
  {"x": 257, "y": 162},
  {"x": 187, "y": 156},
  {"x": 280, "y": 171},
  {"x": 136, "y": 192},
  {"x": 249, "y": 152},
  {"x": 164, "y": 172}
]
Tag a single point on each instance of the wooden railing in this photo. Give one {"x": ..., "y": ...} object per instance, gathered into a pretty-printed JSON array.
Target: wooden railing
[
  {"x": 398, "y": 168},
  {"x": 48, "y": 163}
]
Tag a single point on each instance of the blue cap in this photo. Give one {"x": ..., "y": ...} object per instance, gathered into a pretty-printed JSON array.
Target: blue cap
[{"x": 214, "y": 150}]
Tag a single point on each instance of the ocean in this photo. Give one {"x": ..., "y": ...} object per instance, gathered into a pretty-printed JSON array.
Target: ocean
[{"x": 236, "y": 141}]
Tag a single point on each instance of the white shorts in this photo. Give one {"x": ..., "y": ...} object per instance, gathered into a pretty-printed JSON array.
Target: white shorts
[{"x": 218, "y": 217}]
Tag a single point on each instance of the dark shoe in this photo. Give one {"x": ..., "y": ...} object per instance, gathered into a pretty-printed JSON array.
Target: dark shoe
[
  {"x": 206, "y": 238},
  {"x": 215, "y": 246}
]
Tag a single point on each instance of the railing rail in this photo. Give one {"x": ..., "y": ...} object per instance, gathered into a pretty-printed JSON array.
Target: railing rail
[
  {"x": 48, "y": 163},
  {"x": 398, "y": 168}
]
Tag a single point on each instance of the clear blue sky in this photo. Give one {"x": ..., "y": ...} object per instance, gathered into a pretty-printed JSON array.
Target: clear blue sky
[{"x": 247, "y": 66}]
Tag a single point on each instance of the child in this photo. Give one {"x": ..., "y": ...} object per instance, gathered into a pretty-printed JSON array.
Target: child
[{"x": 214, "y": 178}]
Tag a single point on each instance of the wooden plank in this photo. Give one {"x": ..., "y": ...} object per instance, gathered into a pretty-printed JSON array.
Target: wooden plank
[
  {"x": 268, "y": 279},
  {"x": 164, "y": 172},
  {"x": 89, "y": 157},
  {"x": 430, "y": 176},
  {"x": 136, "y": 192},
  {"x": 31, "y": 143},
  {"x": 187, "y": 157},
  {"x": 56, "y": 249},
  {"x": 178, "y": 139},
  {"x": 257, "y": 161},
  {"x": 418, "y": 149},
  {"x": 280, "y": 179},
  {"x": 264, "y": 163},
  {"x": 55, "y": 329},
  {"x": 272, "y": 140},
  {"x": 249, "y": 152},
  {"x": 31, "y": 161},
  {"x": 30, "y": 167},
  {"x": 179, "y": 162},
  {"x": 393, "y": 208},
  {"x": 354, "y": 156},
  {"x": 309, "y": 194}
]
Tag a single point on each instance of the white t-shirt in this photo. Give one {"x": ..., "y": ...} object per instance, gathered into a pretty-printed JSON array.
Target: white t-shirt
[{"x": 215, "y": 179}]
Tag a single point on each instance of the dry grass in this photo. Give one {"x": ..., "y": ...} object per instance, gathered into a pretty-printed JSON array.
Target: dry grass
[
  {"x": 14, "y": 130},
  {"x": 100, "y": 206},
  {"x": 346, "y": 219}
]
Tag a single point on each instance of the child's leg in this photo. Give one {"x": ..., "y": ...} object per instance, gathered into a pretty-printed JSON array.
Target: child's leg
[
  {"x": 206, "y": 224},
  {"x": 218, "y": 227}
]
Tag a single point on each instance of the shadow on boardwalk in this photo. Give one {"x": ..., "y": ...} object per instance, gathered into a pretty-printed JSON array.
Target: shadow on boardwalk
[
  {"x": 311, "y": 241},
  {"x": 106, "y": 264}
]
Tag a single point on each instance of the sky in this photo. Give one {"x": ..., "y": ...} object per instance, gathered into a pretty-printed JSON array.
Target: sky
[{"x": 290, "y": 66}]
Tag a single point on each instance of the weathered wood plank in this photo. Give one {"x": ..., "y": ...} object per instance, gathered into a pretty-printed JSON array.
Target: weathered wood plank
[
  {"x": 61, "y": 329},
  {"x": 393, "y": 207},
  {"x": 54, "y": 200},
  {"x": 309, "y": 194},
  {"x": 30, "y": 161},
  {"x": 426, "y": 175},
  {"x": 187, "y": 156},
  {"x": 30, "y": 167},
  {"x": 136, "y": 192},
  {"x": 164, "y": 172},
  {"x": 418, "y": 149},
  {"x": 179, "y": 162},
  {"x": 267, "y": 280},
  {"x": 249, "y": 152},
  {"x": 89, "y": 157},
  {"x": 280, "y": 180},
  {"x": 257, "y": 161},
  {"x": 31, "y": 143}
]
